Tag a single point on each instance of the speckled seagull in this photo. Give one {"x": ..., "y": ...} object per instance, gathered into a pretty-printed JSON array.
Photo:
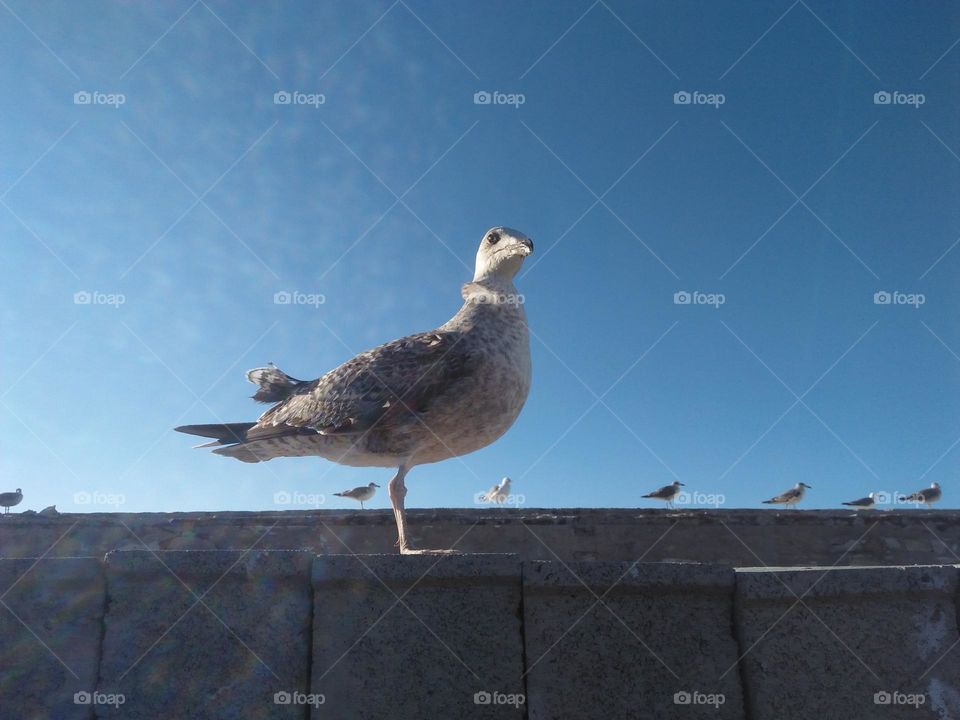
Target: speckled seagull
[
  {"x": 667, "y": 493},
  {"x": 417, "y": 400},
  {"x": 927, "y": 496},
  {"x": 791, "y": 497}
]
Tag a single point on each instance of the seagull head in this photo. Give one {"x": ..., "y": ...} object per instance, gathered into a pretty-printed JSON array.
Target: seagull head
[
  {"x": 934, "y": 485},
  {"x": 803, "y": 485},
  {"x": 373, "y": 485},
  {"x": 505, "y": 483},
  {"x": 677, "y": 483},
  {"x": 501, "y": 254}
]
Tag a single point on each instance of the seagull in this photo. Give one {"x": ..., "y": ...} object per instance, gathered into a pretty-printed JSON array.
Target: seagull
[
  {"x": 791, "y": 497},
  {"x": 9, "y": 499},
  {"x": 362, "y": 493},
  {"x": 927, "y": 496},
  {"x": 420, "y": 399},
  {"x": 498, "y": 493},
  {"x": 865, "y": 502},
  {"x": 667, "y": 492}
]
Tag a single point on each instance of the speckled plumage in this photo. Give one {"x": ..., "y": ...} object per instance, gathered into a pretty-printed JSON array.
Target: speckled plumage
[{"x": 419, "y": 399}]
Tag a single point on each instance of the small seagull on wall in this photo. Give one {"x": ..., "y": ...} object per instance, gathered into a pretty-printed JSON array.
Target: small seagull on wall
[
  {"x": 864, "y": 503},
  {"x": 791, "y": 497},
  {"x": 667, "y": 492},
  {"x": 363, "y": 494},
  {"x": 927, "y": 496},
  {"x": 9, "y": 499}
]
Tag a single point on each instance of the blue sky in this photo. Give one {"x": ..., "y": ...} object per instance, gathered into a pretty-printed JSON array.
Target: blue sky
[{"x": 181, "y": 198}]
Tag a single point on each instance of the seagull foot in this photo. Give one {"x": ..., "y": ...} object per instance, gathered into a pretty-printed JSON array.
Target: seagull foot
[{"x": 415, "y": 551}]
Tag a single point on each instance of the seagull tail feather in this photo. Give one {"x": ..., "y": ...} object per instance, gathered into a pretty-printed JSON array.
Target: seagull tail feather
[
  {"x": 275, "y": 384},
  {"x": 224, "y": 433}
]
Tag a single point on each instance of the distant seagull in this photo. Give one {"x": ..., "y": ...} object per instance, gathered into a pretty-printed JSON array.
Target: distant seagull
[
  {"x": 667, "y": 492},
  {"x": 419, "y": 399},
  {"x": 9, "y": 499},
  {"x": 791, "y": 497},
  {"x": 927, "y": 496},
  {"x": 498, "y": 493},
  {"x": 362, "y": 493},
  {"x": 865, "y": 502}
]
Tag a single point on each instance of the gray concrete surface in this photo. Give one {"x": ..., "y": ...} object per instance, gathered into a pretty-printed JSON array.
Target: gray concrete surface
[
  {"x": 206, "y": 634},
  {"x": 646, "y": 640},
  {"x": 50, "y": 620},
  {"x": 725, "y": 537},
  {"x": 275, "y": 632},
  {"x": 417, "y": 637},
  {"x": 852, "y": 643}
]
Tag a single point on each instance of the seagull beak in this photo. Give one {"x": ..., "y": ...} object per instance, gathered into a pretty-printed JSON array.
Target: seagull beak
[{"x": 527, "y": 244}]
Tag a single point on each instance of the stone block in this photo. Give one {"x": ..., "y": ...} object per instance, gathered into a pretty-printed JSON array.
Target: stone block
[
  {"x": 860, "y": 643},
  {"x": 417, "y": 636},
  {"x": 658, "y": 643},
  {"x": 51, "y": 616},
  {"x": 206, "y": 634}
]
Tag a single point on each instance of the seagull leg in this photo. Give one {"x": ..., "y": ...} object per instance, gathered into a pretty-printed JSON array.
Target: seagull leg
[{"x": 398, "y": 491}]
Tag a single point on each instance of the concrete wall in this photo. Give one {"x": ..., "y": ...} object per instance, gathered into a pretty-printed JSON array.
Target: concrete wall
[
  {"x": 272, "y": 634},
  {"x": 740, "y": 538}
]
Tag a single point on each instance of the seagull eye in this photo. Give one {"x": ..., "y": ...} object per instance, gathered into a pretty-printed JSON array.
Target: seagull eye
[{"x": 493, "y": 238}]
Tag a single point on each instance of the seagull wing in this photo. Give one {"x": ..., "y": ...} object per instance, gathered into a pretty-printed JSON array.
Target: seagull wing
[
  {"x": 387, "y": 386},
  {"x": 664, "y": 492},
  {"x": 784, "y": 497}
]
